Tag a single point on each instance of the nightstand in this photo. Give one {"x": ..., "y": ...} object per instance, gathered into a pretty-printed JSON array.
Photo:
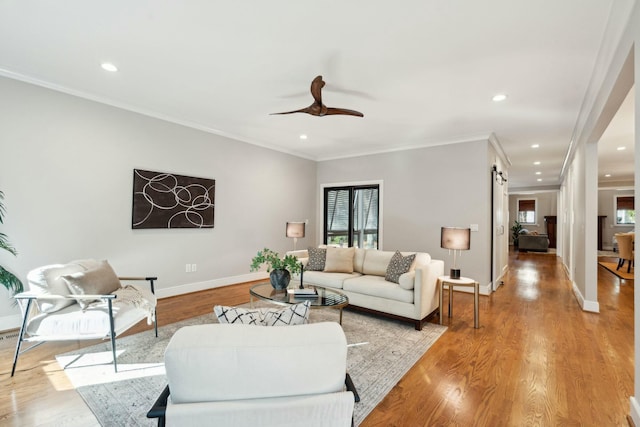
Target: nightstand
[{"x": 463, "y": 281}]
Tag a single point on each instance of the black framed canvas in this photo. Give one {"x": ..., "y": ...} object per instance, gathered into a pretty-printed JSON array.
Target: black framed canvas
[{"x": 166, "y": 200}]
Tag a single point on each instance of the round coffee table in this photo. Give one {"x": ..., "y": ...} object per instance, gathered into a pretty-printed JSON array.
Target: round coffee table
[{"x": 327, "y": 297}]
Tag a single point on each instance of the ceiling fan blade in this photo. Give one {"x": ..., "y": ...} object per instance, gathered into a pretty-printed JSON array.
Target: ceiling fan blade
[
  {"x": 318, "y": 108},
  {"x": 344, "y": 111},
  {"x": 314, "y": 109},
  {"x": 316, "y": 89}
]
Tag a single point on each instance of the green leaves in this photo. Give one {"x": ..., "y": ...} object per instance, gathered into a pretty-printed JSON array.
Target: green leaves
[
  {"x": 8, "y": 280},
  {"x": 273, "y": 262}
]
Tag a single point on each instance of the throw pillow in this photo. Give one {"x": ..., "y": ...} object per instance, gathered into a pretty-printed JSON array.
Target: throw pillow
[
  {"x": 236, "y": 315},
  {"x": 398, "y": 266},
  {"x": 296, "y": 314},
  {"x": 339, "y": 260},
  {"x": 101, "y": 280},
  {"x": 317, "y": 258},
  {"x": 48, "y": 280}
]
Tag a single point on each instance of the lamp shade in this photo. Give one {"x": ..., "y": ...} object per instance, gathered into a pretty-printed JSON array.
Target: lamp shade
[
  {"x": 295, "y": 229},
  {"x": 455, "y": 238}
]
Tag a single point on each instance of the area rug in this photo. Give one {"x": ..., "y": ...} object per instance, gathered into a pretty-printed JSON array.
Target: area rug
[
  {"x": 386, "y": 350},
  {"x": 622, "y": 273}
]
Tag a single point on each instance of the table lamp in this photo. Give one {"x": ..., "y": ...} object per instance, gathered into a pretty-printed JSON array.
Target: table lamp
[
  {"x": 456, "y": 239},
  {"x": 295, "y": 230}
]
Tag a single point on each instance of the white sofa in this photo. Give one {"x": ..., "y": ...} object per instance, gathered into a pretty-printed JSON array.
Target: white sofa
[
  {"x": 414, "y": 298},
  {"x": 246, "y": 376}
]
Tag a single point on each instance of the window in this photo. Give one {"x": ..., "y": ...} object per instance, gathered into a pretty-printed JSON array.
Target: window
[
  {"x": 625, "y": 210},
  {"x": 351, "y": 216},
  {"x": 527, "y": 211}
]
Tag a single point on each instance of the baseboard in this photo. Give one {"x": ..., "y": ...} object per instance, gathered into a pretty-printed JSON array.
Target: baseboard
[
  {"x": 10, "y": 322},
  {"x": 208, "y": 284},
  {"x": 591, "y": 306},
  {"x": 634, "y": 410}
]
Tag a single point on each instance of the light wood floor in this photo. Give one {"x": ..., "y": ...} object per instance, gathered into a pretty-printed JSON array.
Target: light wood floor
[{"x": 537, "y": 360}]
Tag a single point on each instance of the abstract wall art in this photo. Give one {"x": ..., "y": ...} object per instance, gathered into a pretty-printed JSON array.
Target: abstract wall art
[{"x": 166, "y": 200}]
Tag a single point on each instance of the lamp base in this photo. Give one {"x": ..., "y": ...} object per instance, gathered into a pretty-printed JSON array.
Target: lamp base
[{"x": 454, "y": 273}]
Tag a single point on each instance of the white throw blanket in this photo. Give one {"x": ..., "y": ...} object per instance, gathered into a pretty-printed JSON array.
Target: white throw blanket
[{"x": 140, "y": 299}]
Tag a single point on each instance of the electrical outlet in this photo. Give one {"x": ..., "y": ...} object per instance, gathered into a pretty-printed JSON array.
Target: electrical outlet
[
  {"x": 194, "y": 268},
  {"x": 474, "y": 227},
  {"x": 187, "y": 268}
]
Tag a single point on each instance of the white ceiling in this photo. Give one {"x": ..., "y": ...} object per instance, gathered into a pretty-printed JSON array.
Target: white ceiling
[{"x": 423, "y": 72}]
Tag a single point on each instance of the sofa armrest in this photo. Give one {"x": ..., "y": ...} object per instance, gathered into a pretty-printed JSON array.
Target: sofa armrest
[
  {"x": 426, "y": 287},
  {"x": 302, "y": 253}
]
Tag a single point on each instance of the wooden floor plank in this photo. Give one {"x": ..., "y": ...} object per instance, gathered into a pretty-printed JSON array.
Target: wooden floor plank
[{"x": 537, "y": 359}]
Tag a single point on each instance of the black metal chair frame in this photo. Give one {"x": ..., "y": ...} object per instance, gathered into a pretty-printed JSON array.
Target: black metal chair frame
[
  {"x": 30, "y": 298},
  {"x": 159, "y": 408}
]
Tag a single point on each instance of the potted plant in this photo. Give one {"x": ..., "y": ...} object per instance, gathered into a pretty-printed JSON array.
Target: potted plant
[
  {"x": 279, "y": 269},
  {"x": 8, "y": 280},
  {"x": 516, "y": 229}
]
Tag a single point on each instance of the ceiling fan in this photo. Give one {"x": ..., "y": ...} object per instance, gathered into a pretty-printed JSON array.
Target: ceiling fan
[{"x": 318, "y": 108}]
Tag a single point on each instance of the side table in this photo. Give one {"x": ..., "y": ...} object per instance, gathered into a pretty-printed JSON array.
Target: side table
[{"x": 463, "y": 281}]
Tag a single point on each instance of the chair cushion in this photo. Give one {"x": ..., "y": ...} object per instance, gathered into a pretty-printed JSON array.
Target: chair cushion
[
  {"x": 101, "y": 280},
  {"x": 93, "y": 322},
  {"x": 229, "y": 362},
  {"x": 398, "y": 266}
]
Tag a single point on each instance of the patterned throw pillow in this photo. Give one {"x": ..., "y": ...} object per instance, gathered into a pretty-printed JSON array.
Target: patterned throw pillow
[
  {"x": 296, "y": 314},
  {"x": 398, "y": 266},
  {"x": 317, "y": 258},
  {"x": 236, "y": 315}
]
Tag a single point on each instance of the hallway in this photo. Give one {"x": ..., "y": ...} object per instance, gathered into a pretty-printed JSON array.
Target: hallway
[{"x": 537, "y": 359}]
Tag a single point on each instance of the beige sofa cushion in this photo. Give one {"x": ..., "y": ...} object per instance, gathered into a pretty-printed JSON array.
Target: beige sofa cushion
[
  {"x": 376, "y": 262},
  {"x": 378, "y": 287},
  {"x": 327, "y": 280},
  {"x": 339, "y": 260},
  {"x": 358, "y": 260}
]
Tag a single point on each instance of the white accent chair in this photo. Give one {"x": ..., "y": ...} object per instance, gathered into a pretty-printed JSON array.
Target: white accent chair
[
  {"x": 246, "y": 375},
  {"x": 81, "y": 300}
]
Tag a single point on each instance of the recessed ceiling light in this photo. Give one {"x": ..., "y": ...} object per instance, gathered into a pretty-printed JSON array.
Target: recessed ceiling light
[
  {"x": 499, "y": 97},
  {"x": 535, "y": 146},
  {"x": 621, "y": 148},
  {"x": 107, "y": 66},
  {"x": 536, "y": 163},
  {"x": 607, "y": 175},
  {"x": 538, "y": 173},
  {"x": 303, "y": 136},
  {"x": 539, "y": 179}
]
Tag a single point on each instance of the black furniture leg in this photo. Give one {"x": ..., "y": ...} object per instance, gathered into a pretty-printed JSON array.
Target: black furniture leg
[
  {"x": 21, "y": 337},
  {"x": 113, "y": 335}
]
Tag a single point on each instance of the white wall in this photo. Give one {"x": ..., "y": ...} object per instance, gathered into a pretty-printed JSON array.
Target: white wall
[
  {"x": 67, "y": 174},
  {"x": 424, "y": 190},
  {"x": 617, "y": 68}
]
